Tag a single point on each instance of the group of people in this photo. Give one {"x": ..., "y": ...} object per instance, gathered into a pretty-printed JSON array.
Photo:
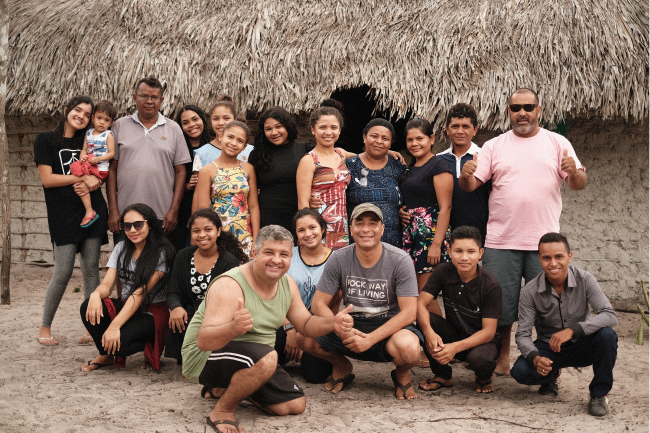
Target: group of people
[{"x": 238, "y": 300}]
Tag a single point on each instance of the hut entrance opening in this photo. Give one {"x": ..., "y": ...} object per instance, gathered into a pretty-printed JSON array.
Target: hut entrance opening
[{"x": 358, "y": 107}]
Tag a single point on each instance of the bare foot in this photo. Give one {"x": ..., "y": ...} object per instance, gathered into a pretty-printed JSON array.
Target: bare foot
[
  {"x": 86, "y": 339},
  {"x": 45, "y": 337},
  {"x": 99, "y": 362},
  {"x": 403, "y": 387},
  {"x": 435, "y": 383},
  {"x": 483, "y": 386},
  {"x": 339, "y": 372},
  {"x": 218, "y": 414}
]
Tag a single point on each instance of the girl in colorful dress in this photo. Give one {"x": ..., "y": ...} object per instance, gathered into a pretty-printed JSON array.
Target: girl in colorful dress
[
  {"x": 322, "y": 174},
  {"x": 427, "y": 187},
  {"x": 137, "y": 321},
  {"x": 214, "y": 252},
  {"x": 229, "y": 187}
]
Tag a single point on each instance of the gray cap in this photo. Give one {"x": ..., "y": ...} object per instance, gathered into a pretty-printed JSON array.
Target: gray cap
[{"x": 367, "y": 207}]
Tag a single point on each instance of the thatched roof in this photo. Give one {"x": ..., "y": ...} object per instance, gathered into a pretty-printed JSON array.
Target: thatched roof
[{"x": 584, "y": 56}]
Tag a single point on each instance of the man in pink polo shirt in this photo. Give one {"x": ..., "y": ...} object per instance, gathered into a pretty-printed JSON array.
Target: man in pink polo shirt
[{"x": 527, "y": 166}]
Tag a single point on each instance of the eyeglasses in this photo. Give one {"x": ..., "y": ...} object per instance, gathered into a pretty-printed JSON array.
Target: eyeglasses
[
  {"x": 364, "y": 180},
  {"x": 516, "y": 108},
  {"x": 138, "y": 225},
  {"x": 154, "y": 99}
]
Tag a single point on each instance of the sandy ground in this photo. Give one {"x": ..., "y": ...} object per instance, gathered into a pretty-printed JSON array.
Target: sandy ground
[{"x": 42, "y": 388}]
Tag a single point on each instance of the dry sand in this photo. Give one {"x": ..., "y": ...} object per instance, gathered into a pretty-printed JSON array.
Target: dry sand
[{"x": 42, "y": 388}]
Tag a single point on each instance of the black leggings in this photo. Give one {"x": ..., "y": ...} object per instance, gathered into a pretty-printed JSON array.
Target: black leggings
[{"x": 134, "y": 334}]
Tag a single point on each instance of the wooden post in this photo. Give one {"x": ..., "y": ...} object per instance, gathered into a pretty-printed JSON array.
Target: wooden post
[{"x": 4, "y": 157}]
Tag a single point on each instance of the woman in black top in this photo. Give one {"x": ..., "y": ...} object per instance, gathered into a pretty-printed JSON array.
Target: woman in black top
[
  {"x": 214, "y": 252},
  {"x": 193, "y": 122},
  {"x": 54, "y": 152},
  {"x": 276, "y": 157}
]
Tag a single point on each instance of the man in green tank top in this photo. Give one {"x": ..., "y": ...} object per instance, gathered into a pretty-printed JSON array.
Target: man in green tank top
[{"x": 228, "y": 345}]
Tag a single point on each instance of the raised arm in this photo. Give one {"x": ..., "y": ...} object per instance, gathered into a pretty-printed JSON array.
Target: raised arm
[
  {"x": 576, "y": 177},
  {"x": 468, "y": 182}
]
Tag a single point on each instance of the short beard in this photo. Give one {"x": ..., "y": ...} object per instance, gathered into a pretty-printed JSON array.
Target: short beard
[{"x": 524, "y": 130}]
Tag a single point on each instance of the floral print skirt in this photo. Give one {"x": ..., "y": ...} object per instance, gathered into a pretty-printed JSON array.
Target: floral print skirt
[{"x": 418, "y": 236}]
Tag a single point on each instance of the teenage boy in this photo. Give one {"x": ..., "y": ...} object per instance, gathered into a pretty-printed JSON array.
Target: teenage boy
[{"x": 472, "y": 300}]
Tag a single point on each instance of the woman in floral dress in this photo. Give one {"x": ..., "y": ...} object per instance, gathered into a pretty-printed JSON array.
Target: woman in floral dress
[{"x": 322, "y": 174}]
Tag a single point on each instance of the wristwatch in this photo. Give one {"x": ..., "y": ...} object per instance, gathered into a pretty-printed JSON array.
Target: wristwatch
[{"x": 287, "y": 327}]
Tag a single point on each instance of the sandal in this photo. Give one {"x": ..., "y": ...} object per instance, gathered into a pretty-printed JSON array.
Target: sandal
[
  {"x": 208, "y": 390},
  {"x": 479, "y": 386},
  {"x": 347, "y": 380},
  {"x": 404, "y": 388},
  {"x": 435, "y": 380},
  {"x": 89, "y": 220},
  {"x": 97, "y": 366},
  {"x": 214, "y": 424},
  {"x": 41, "y": 339}
]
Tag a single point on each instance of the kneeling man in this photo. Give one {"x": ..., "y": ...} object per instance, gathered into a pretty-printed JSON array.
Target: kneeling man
[
  {"x": 380, "y": 281},
  {"x": 472, "y": 299},
  {"x": 229, "y": 343},
  {"x": 558, "y": 303}
]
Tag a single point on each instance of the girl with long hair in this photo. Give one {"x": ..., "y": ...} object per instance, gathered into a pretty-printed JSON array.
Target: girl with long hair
[
  {"x": 137, "y": 320},
  {"x": 54, "y": 153},
  {"x": 214, "y": 252}
]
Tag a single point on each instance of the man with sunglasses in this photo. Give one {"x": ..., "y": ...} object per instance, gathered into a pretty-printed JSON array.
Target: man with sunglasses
[
  {"x": 148, "y": 166},
  {"x": 527, "y": 166}
]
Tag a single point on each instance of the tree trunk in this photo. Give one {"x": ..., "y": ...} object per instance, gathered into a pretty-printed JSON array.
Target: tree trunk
[{"x": 4, "y": 157}]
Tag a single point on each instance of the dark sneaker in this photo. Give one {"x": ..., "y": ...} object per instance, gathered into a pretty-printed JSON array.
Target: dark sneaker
[
  {"x": 598, "y": 406},
  {"x": 549, "y": 388}
]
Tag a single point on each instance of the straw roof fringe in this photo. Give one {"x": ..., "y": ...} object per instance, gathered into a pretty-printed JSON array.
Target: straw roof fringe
[{"x": 583, "y": 56}]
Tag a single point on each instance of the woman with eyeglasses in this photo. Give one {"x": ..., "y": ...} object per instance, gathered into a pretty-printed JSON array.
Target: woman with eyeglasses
[
  {"x": 54, "y": 152},
  {"x": 137, "y": 320},
  {"x": 374, "y": 178},
  {"x": 214, "y": 252}
]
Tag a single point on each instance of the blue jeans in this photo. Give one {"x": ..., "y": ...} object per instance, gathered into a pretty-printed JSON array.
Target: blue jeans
[{"x": 598, "y": 349}]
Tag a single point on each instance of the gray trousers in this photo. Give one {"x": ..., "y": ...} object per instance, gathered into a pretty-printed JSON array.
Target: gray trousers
[{"x": 64, "y": 256}]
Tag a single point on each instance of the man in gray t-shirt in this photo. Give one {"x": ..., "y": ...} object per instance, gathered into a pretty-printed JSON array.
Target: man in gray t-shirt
[{"x": 379, "y": 281}]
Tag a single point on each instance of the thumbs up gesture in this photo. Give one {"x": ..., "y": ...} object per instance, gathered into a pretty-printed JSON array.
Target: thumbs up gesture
[
  {"x": 243, "y": 321},
  {"x": 343, "y": 322},
  {"x": 470, "y": 166},
  {"x": 568, "y": 164}
]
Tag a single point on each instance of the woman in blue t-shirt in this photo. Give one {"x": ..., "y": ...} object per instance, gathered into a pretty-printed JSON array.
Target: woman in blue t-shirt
[
  {"x": 307, "y": 264},
  {"x": 136, "y": 321}
]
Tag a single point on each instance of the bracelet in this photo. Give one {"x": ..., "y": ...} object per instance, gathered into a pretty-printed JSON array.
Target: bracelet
[{"x": 288, "y": 327}]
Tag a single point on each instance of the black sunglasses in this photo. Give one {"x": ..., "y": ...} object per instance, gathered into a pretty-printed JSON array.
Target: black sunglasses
[
  {"x": 516, "y": 108},
  {"x": 138, "y": 225}
]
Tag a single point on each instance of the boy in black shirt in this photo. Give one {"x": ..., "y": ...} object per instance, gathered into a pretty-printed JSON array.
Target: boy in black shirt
[{"x": 472, "y": 300}]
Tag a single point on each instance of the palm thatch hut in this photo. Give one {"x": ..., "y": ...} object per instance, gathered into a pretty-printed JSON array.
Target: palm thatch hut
[{"x": 588, "y": 60}]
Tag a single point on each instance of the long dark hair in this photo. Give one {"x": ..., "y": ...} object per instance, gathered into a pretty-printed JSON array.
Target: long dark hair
[
  {"x": 427, "y": 129},
  {"x": 157, "y": 249},
  {"x": 226, "y": 240},
  {"x": 259, "y": 157},
  {"x": 59, "y": 130},
  {"x": 205, "y": 135}
]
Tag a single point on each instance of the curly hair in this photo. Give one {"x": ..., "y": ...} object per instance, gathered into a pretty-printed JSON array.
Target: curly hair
[
  {"x": 156, "y": 249},
  {"x": 226, "y": 240},
  {"x": 462, "y": 111},
  {"x": 380, "y": 122},
  {"x": 259, "y": 157}
]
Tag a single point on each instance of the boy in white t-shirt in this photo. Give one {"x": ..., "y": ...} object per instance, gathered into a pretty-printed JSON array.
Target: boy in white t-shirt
[{"x": 98, "y": 150}]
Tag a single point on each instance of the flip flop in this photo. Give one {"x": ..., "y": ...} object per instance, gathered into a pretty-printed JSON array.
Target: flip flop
[
  {"x": 94, "y": 218},
  {"x": 214, "y": 424},
  {"x": 404, "y": 388},
  {"x": 98, "y": 366},
  {"x": 86, "y": 341},
  {"x": 47, "y": 339},
  {"x": 208, "y": 390},
  {"x": 347, "y": 380},
  {"x": 435, "y": 380},
  {"x": 481, "y": 385}
]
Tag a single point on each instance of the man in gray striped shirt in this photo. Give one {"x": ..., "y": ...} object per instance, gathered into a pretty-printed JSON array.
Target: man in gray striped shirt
[{"x": 558, "y": 303}]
